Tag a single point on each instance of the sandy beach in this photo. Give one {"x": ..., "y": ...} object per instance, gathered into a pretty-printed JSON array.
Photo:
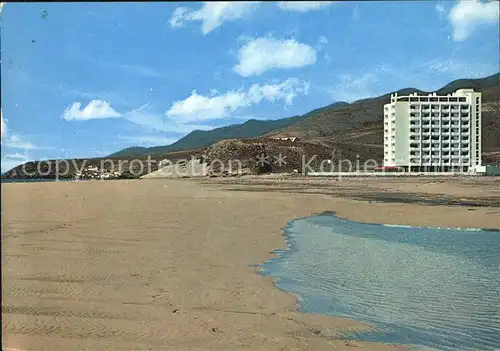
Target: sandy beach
[{"x": 166, "y": 264}]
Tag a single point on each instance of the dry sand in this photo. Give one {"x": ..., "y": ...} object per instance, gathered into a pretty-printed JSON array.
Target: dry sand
[{"x": 165, "y": 264}]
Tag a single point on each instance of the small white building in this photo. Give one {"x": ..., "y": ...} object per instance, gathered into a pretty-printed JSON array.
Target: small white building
[
  {"x": 291, "y": 138},
  {"x": 433, "y": 132}
]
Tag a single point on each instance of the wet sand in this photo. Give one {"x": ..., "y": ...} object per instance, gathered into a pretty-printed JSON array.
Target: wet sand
[{"x": 165, "y": 264}]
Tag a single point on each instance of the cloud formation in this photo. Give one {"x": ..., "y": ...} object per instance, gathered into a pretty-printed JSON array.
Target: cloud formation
[
  {"x": 96, "y": 109},
  {"x": 13, "y": 141},
  {"x": 303, "y": 6},
  {"x": 212, "y": 14},
  {"x": 9, "y": 161},
  {"x": 262, "y": 54},
  {"x": 3, "y": 125},
  {"x": 200, "y": 108},
  {"x": 467, "y": 15}
]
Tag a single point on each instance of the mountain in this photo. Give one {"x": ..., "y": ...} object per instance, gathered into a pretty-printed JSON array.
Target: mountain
[
  {"x": 198, "y": 138},
  {"x": 361, "y": 122}
]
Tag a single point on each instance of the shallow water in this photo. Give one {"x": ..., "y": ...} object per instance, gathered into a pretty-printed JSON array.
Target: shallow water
[{"x": 437, "y": 288}]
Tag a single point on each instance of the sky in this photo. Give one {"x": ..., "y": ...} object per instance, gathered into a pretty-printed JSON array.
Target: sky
[{"x": 89, "y": 79}]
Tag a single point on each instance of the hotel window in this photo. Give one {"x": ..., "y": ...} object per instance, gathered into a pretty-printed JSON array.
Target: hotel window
[{"x": 462, "y": 99}]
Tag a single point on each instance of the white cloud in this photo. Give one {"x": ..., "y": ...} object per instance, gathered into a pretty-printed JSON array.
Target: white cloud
[
  {"x": 212, "y": 14},
  {"x": 148, "y": 117},
  {"x": 96, "y": 109},
  {"x": 440, "y": 8},
  {"x": 9, "y": 161},
  {"x": 466, "y": 15},
  {"x": 15, "y": 141},
  {"x": 3, "y": 125},
  {"x": 263, "y": 54},
  {"x": 198, "y": 107},
  {"x": 303, "y": 6}
]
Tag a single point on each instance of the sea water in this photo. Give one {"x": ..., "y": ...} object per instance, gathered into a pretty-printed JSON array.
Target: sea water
[{"x": 436, "y": 288}]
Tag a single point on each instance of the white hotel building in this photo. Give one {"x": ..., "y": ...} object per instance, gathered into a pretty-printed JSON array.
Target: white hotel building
[{"x": 433, "y": 132}]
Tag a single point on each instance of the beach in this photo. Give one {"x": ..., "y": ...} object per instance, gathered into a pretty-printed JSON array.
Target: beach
[{"x": 167, "y": 264}]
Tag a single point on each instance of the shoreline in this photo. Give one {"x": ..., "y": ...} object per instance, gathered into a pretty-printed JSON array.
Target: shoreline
[
  {"x": 374, "y": 326},
  {"x": 208, "y": 239}
]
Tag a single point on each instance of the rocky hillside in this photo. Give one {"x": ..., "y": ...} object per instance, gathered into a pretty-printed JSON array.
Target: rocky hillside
[
  {"x": 198, "y": 138},
  {"x": 265, "y": 155}
]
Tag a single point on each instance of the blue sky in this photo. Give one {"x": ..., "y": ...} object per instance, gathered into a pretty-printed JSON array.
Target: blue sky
[{"x": 88, "y": 79}]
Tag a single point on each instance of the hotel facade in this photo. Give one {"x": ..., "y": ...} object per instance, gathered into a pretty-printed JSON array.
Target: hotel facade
[{"x": 433, "y": 133}]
